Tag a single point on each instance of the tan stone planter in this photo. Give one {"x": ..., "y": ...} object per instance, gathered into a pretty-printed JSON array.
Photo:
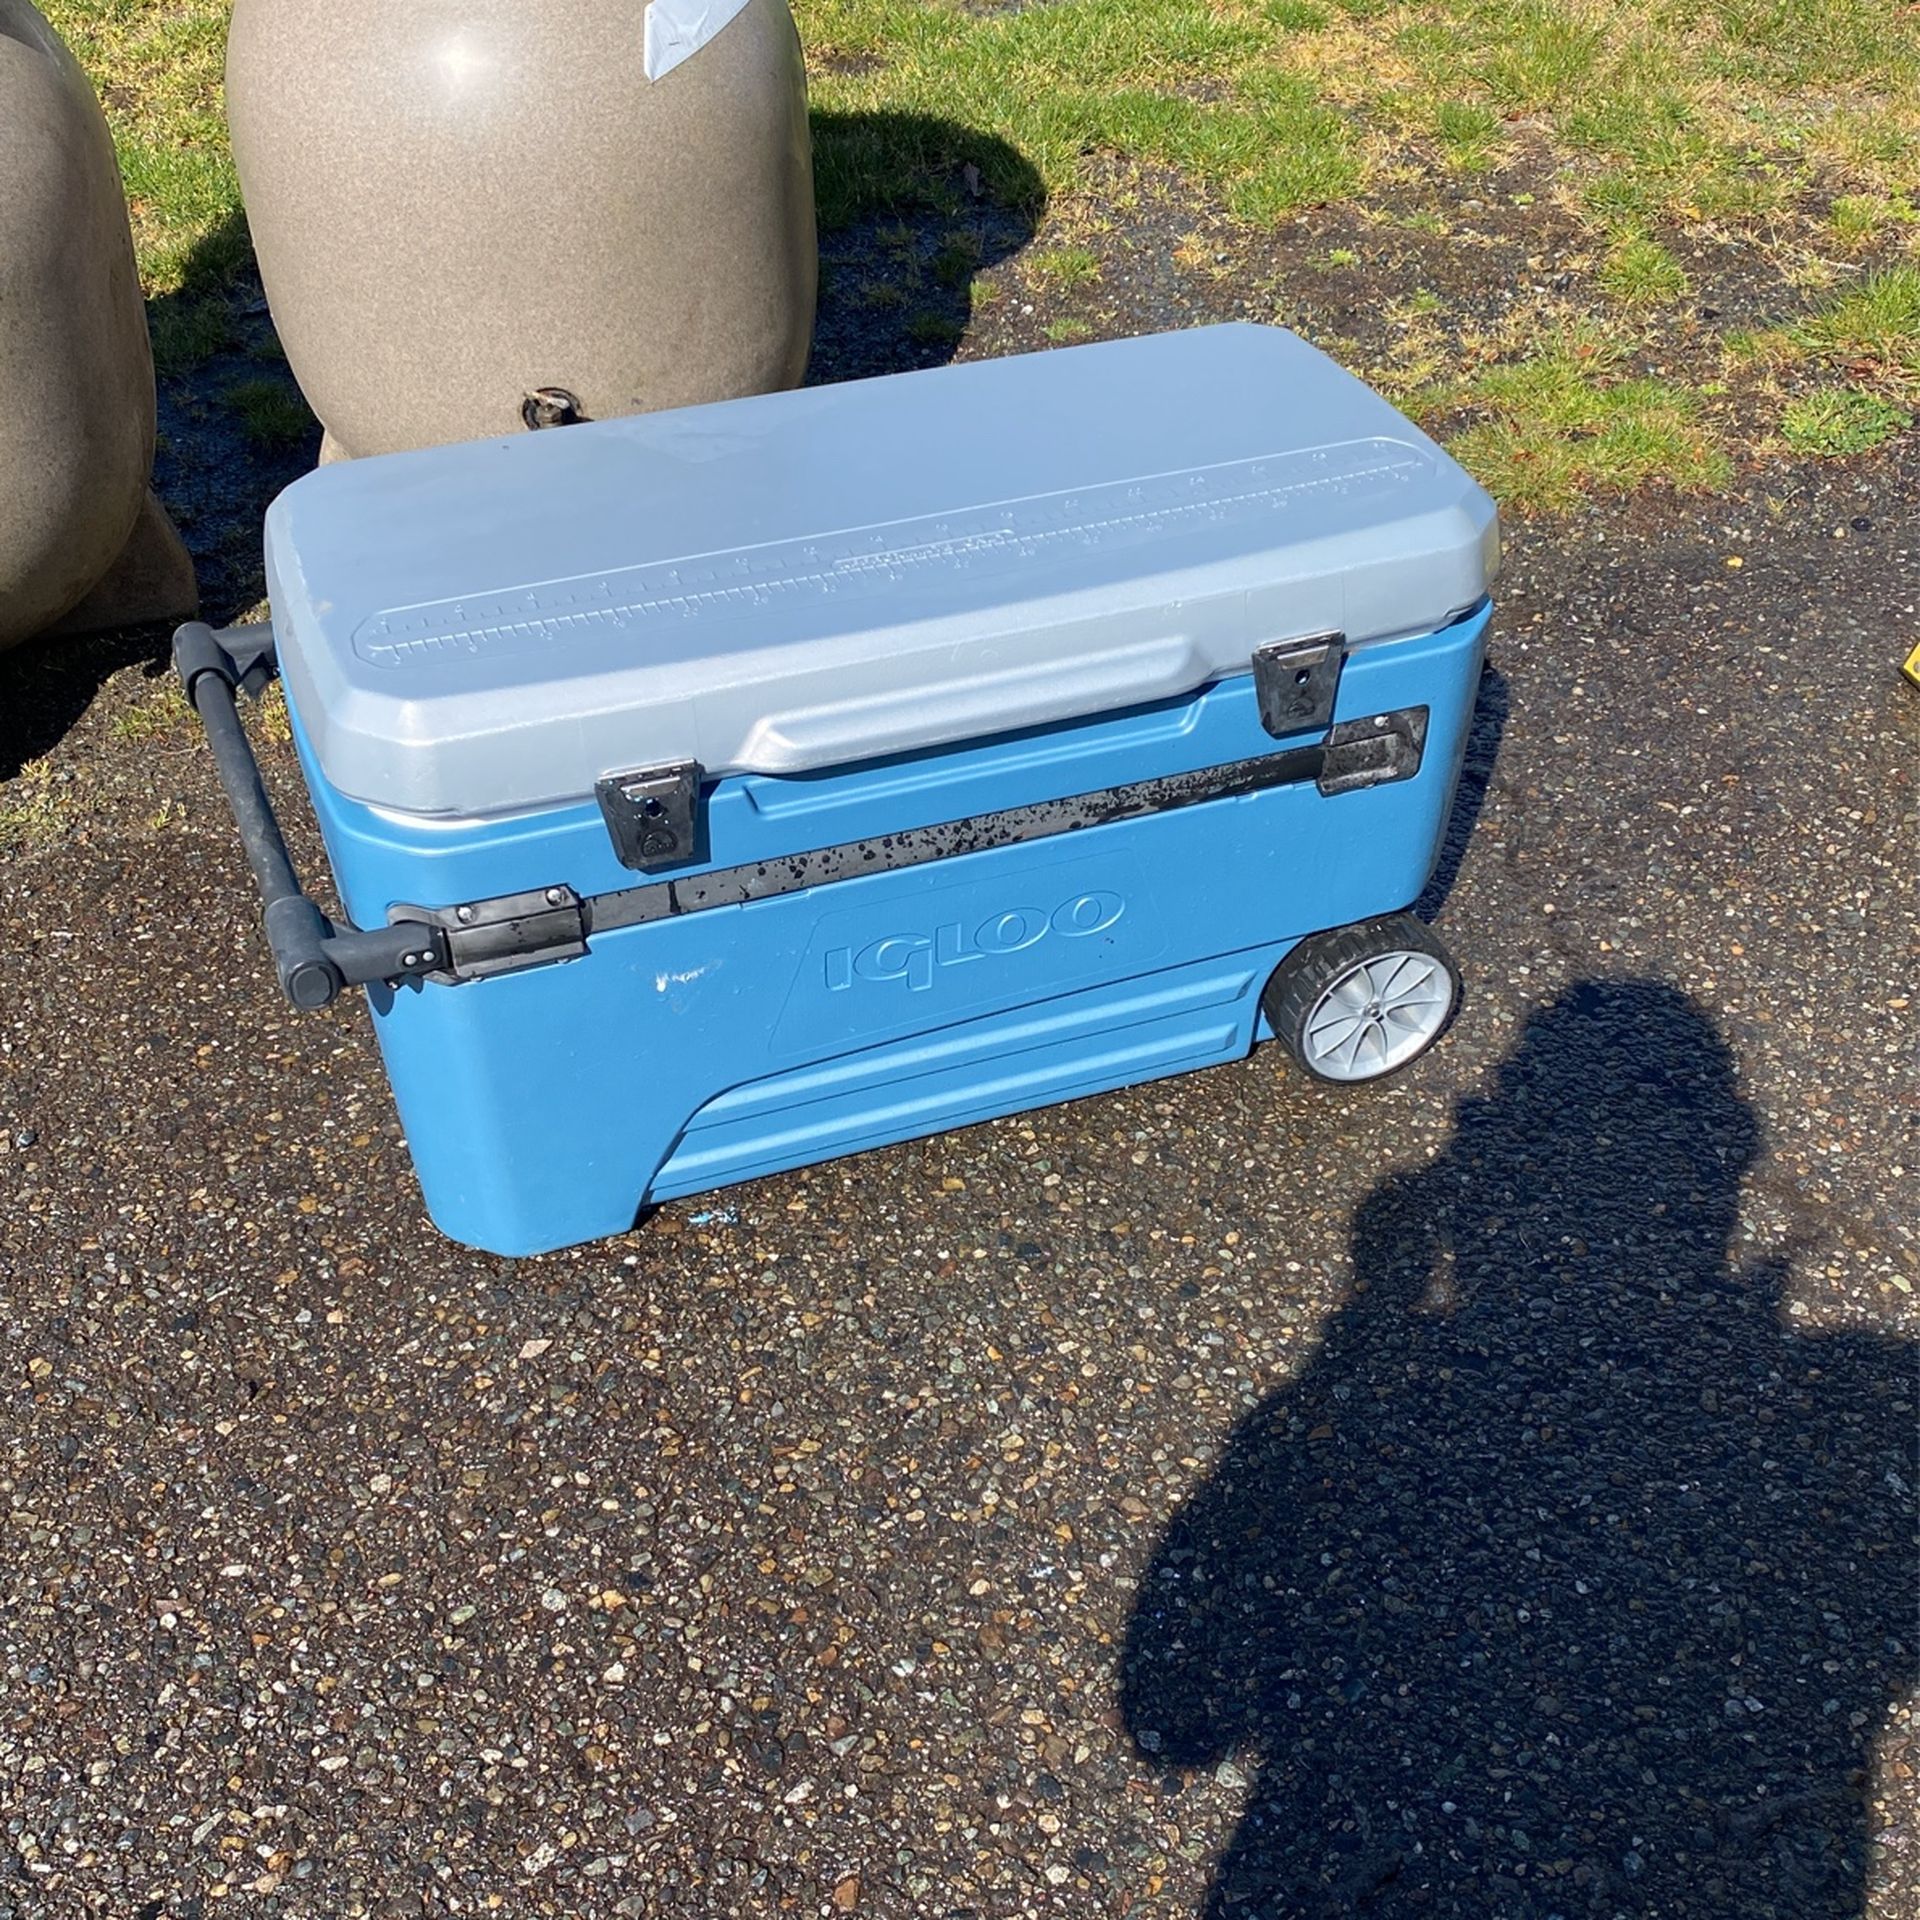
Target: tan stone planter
[
  {"x": 462, "y": 204},
  {"x": 83, "y": 544}
]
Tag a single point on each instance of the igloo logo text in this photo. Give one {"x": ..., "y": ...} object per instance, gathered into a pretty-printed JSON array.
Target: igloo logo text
[{"x": 919, "y": 959}]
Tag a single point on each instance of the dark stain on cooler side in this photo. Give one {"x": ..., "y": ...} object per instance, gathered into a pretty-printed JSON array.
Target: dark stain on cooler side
[{"x": 1379, "y": 750}]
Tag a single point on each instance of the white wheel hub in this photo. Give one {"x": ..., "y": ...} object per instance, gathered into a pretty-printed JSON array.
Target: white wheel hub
[{"x": 1378, "y": 1015}]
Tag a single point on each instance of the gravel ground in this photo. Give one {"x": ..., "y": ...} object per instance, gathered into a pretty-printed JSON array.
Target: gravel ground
[{"x": 1491, "y": 1494}]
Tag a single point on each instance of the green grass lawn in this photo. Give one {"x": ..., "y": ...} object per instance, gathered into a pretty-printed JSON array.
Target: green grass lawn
[{"x": 1654, "y": 146}]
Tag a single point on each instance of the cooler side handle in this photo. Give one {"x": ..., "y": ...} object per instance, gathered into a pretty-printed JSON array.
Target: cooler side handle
[{"x": 315, "y": 958}]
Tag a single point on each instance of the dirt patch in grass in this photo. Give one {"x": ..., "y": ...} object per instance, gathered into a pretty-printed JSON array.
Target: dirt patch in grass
[
  {"x": 1723, "y": 195},
  {"x": 1498, "y": 333}
]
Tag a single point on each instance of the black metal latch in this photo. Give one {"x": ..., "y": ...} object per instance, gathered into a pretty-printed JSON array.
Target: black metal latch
[
  {"x": 1298, "y": 681},
  {"x": 504, "y": 934},
  {"x": 653, "y": 815}
]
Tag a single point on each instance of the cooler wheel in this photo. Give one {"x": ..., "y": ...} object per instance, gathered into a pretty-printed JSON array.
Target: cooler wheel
[{"x": 1363, "y": 1001}]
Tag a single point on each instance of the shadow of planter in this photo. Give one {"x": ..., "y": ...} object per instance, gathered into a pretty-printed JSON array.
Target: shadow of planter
[{"x": 912, "y": 209}]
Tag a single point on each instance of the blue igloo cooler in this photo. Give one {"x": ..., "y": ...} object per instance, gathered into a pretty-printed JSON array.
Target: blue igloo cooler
[{"x": 716, "y": 792}]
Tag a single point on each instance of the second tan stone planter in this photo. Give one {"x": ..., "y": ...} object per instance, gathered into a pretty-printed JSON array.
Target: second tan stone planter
[
  {"x": 83, "y": 543},
  {"x": 472, "y": 215}
]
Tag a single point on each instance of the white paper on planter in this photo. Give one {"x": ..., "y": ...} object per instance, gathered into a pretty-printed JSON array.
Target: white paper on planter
[{"x": 677, "y": 29}]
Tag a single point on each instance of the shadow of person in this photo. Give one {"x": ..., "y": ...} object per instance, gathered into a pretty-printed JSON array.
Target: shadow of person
[
  {"x": 1568, "y": 1579},
  {"x": 912, "y": 207}
]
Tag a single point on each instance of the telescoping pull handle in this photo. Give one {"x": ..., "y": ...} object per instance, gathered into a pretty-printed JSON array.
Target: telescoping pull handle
[{"x": 315, "y": 958}]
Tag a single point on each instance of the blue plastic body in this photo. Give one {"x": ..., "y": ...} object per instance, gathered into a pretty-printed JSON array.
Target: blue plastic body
[{"x": 549, "y": 1107}]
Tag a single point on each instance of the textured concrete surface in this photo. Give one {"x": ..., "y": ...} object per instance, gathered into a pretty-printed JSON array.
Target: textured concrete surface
[{"x": 1490, "y": 1494}]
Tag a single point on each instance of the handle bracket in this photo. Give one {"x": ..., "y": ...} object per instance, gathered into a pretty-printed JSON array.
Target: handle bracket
[{"x": 316, "y": 959}]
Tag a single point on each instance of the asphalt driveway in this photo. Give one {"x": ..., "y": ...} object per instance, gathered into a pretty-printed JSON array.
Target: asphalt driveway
[{"x": 1490, "y": 1494}]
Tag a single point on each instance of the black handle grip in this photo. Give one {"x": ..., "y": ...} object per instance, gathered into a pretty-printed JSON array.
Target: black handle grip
[{"x": 315, "y": 958}]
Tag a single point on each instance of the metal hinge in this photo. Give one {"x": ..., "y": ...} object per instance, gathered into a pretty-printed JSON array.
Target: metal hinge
[
  {"x": 504, "y": 935},
  {"x": 1298, "y": 681},
  {"x": 653, "y": 815}
]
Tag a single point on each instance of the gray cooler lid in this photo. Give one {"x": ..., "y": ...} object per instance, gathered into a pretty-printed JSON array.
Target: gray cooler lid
[{"x": 809, "y": 579}]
